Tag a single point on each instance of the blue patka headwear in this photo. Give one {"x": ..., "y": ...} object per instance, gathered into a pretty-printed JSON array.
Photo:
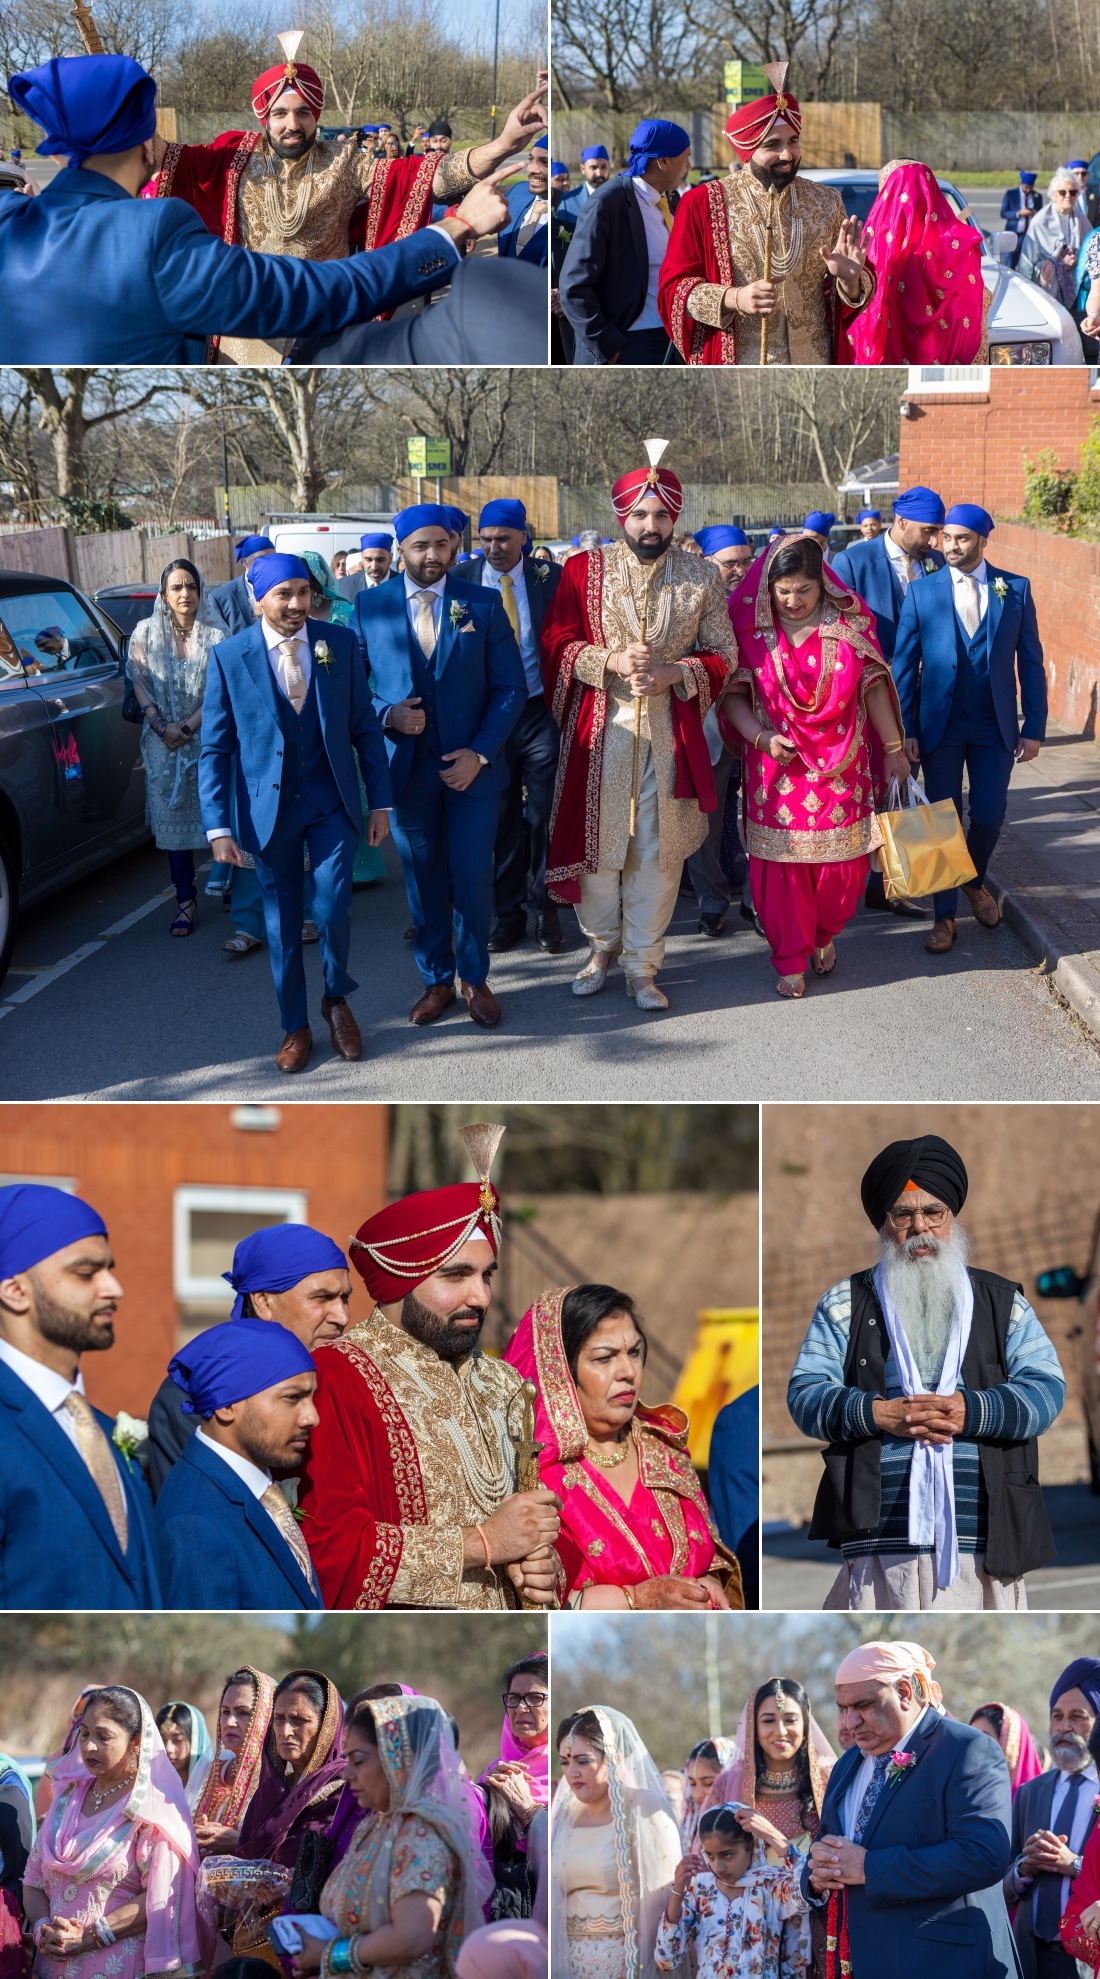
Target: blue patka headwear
[
  {"x": 37, "y": 1220},
  {"x": 819, "y": 521},
  {"x": 381, "y": 540},
  {"x": 423, "y": 515},
  {"x": 919, "y": 505},
  {"x": 656, "y": 138},
  {"x": 594, "y": 151},
  {"x": 775, "y": 532},
  {"x": 457, "y": 520},
  {"x": 541, "y": 143},
  {"x": 869, "y": 515},
  {"x": 1028, "y": 178},
  {"x": 1082, "y": 1674},
  {"x": 276, "y": 569},
  {"x": 250, "y": 546},
  {"x": 720, "y": 536},
  {"x": 274, "y": 1259},
  {"x": 230, "y": 1362},
  {"x": 1077, "y": 165},
  {"x": 967, "y": 515},
  {"x": 505, "y": 514},
  {"x": 88, "y": 104},
  {"x": 557, "y": 168}
]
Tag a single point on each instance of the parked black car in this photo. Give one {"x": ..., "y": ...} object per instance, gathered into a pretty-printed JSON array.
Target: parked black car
[
  {"x": 126, "y": 604},
  {"x": 72, "y": 782}
]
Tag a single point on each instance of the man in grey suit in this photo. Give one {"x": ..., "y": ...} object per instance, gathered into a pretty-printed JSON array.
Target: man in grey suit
[
  {"x": 234, "y": 602},
  {"x": 1052, "y": 1819},
  {"x": 376, "y": 560}
]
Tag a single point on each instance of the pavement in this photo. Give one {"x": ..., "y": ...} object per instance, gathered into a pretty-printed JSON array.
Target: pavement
[{"x": 798, "y": 1572}]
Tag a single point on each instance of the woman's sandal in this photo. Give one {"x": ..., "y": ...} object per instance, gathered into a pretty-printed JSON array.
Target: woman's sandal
[
  {"x": 184, "y": 923},
  {"x": 241, "y": 943},
  {"x": 791, "y": 986},
  {"x": 820, "y": 959}
]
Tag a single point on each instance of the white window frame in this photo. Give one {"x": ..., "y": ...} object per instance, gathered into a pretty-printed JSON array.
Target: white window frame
[
  {"x": 972, "y": 378},
  {"x": 67, "y": 1183},
  {"x": 189, "y": 1290}
]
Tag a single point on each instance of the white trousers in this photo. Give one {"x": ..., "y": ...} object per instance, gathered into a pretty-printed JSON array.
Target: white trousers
[
  {"x": 633, "y": 906},
  {"x": 889, "y": 1582}
]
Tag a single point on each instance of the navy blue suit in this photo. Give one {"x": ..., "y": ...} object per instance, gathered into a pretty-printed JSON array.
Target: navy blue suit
[
  {"x": 75, "y": 261},
  {"x": 295, "y": 786},
  {"x": 233, "y": 604},
  {"x": 472, "y": 691},
  {"x": 57, "y": 1545},
  {"x": 572, "y": 204},
  {"x": 937, "y": 1846},
  {"x": 537, "y": 249},
  {"x": 523, "y": 832},
  {"x": 866, "y": 566},
  {"x": 218, "y": 1547},
  {"x": 605, "y": 274},
  {"x": 958, "y": 698}
]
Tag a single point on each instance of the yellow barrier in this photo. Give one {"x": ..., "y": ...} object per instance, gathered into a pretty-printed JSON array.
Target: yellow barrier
[{"x": 724, "y": 1361}]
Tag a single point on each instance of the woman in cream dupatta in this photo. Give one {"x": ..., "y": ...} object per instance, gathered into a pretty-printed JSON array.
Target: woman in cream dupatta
[{"x": 608, "y": 1879}]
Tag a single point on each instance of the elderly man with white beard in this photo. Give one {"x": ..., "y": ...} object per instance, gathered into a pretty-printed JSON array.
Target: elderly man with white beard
[{"x": 929, "y": 1381}]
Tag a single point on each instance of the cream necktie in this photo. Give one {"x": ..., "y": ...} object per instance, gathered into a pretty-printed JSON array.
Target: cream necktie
[
  {"x": 969, "y": 606},
  {"x": 274, "y": 1502},
  {"x": 425, "y": 622},
  {"x": 294, "y": 680},
  {"x": 508, "y": 599},
  {"x": 532, "y": 219},
  {"x": 96, "y": 1452},
  {"x": 665, "y": 211}
]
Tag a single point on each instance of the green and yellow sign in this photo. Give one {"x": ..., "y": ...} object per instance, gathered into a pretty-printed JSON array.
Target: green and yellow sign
[
  {"x": 428, "y": 456},
  {"x": 744, "y": 82}
]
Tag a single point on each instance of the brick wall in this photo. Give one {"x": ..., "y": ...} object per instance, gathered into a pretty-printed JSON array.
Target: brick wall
[
  {"x": 970, "y": 446},
  {"x": 1065, "y": 578}
]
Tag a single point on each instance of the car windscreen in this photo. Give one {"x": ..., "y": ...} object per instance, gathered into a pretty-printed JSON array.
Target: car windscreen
[
  {"x": 53, "y": 632},
  {"x": 128, "y": 612}
]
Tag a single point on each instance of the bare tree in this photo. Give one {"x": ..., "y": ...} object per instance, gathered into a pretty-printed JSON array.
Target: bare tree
[{"x": 65, "y": 417}]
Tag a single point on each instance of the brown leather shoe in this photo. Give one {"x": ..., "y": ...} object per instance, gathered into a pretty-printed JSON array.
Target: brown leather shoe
[
  {"x": 942, "y": 938},
  {"x": 432, "y": 1004},
  {"x": 481, "y": 1004},
  {"x": 293, "y": 1053},
  {"x": 345, "y": 1031},
  {"x": 983, "y": 906}
]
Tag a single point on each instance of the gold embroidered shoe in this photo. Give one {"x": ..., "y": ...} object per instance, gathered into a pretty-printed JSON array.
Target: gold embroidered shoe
[
  {"x": 594, "y": 974},
  {"x": 646, "y": 994}
]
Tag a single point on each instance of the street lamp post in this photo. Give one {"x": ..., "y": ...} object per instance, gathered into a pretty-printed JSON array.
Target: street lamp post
[
  {"x": 225, "y": 461},
  {"x": 496, "y": 65}
]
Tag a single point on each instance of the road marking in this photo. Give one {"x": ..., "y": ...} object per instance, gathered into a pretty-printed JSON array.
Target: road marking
[
  {"x": 61, "y": 968},
  {"x": 51, "y": 974}
]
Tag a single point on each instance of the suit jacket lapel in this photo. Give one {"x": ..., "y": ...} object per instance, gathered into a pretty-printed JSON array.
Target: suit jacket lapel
[
  {"x": 256, "y": 1518},
  {"x": 892, "y": 577},
  {"x": 637, "y": 227},
  {"x": 840, "y": 1780},
  {"x": 63, "y": 1457},
  {"x": 258, "y": 668},
  {"x": 891, "y": 1788},
  {"x": 994, "y": 606},
  {"x": 445, "y": 643}
]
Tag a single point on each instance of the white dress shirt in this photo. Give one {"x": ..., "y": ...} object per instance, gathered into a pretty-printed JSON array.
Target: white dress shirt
[
  {"x": 528, "y": 650},
  {"x": 853, "y": 1799},
  {"x": 981, "y": 578},
  {"x": 255, "y": 1479},
  {"x": 904, "y": 565},
  {"x": 274, "y": 640},
  {"x": 656, "y": 234},
  {"x": 50, "y": 1388}
]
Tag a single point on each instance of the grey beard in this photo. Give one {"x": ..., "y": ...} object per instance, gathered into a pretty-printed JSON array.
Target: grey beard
[
  {"x": 923, "y": 1294},
  {"x": 1069, "y": 1752}
]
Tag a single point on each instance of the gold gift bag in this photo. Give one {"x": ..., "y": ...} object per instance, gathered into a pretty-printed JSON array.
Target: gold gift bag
[{"x": 923, "y": 850}]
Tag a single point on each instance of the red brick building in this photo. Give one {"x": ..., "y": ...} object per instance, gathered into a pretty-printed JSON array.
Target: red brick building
[{"x": 178, "y": 1186}]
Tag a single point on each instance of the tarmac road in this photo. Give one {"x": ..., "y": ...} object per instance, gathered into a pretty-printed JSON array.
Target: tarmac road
[{"x": 101, "y": 1004}]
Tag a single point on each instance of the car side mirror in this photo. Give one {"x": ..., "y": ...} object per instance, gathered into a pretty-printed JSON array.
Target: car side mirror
[{"x": 1061, "y": 1283}]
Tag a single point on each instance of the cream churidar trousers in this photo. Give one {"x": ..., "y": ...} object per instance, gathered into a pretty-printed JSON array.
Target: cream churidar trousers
[{"x": 636, "y": 905}]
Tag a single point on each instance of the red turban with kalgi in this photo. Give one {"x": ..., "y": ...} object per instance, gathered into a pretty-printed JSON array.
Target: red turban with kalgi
[
  {"x": 753, "y": 122},
  {"x": 298, "y": 76},
  {"x": 632, "y": 488},
  {"x": 396, "y": 1250}
]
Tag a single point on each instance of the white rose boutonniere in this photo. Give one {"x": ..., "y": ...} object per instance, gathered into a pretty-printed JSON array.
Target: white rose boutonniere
[
  {"x": 457, "y": 614},
  {"x": 322, "y": 653},
  {"x": 128, "y": 1434},
  {"x": 1000, "y": 587},
  {"x": 540, "y": 570},
  {"x": 929, "y": 565}
]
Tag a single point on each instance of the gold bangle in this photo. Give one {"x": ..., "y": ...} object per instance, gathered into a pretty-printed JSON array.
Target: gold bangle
[
  {"x": 759, "y": 733},
  {"x": 630, "y": 1601}
]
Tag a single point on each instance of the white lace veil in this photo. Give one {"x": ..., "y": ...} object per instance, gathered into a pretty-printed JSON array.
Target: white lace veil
[{"x": 647, "y": 1845}]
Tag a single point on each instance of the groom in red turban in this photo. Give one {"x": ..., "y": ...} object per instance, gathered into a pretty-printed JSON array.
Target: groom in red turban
[
  {"x": 409, "y": 1498},
  {"x": 636, "y": 648},
  {"x": 762, "y": 267}
]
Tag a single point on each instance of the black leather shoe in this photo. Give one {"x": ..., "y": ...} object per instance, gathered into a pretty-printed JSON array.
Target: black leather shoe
[
  {"x": 907, "y": 910},
  {"x": 750, "y": 915},
  {"x": 504, "y": 935},
  {"x": 548, "y": 931},
  {"x": 712, "y": 924}
]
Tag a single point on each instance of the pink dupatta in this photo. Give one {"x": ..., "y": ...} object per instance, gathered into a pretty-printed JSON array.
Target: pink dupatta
[
  {"x": 929, "y": 300},
  {"x": 1015, "y": 1740}
]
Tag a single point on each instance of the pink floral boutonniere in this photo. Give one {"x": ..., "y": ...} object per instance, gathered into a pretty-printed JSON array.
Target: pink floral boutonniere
[
  {"x": 900, "y": 1762},
  {"x": 1096, "y": 1802}
]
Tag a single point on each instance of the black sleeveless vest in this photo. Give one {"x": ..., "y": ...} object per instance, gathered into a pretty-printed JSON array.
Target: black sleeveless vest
[{"x": 849, "y": 1500}]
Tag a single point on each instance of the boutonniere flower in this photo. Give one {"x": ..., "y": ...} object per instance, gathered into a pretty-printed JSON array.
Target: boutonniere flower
[
  {"x": 128, "y": 1434},
  {"x": 322, "y": 653},
  {"x": 929, "y": 565},
  {"x": 540, "y": 570},
  {"x": 457, "y": 614},
  {"x": 900, "y": 1762},
  {"x": 1000, "y": 587}
]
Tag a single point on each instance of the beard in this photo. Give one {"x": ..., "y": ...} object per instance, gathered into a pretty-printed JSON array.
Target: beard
[
  {"x": 292, "y": 147},
  {"x": 83, "y": 1332},
  {"x": 924, "y": 1290},
  {"x": 649, "y": 552},
  {"x": 774, "y": 178},
  {"x": 440, "y": 1334},
  {"x": 1069, "y": 1751}
]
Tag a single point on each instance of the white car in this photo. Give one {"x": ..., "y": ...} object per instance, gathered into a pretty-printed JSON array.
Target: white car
[
  {"x": 1025, "y": 324},
  {"x": 292, "y": 534}
]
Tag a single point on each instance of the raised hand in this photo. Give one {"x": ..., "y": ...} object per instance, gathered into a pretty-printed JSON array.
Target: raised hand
[{"x": 846, "y": 262}]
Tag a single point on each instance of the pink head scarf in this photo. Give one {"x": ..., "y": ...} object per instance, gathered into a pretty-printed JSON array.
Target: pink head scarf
[
  {"x": 929, "y": 298},
  {"x": 173, "y": 1934},
  {"x": 1015, "y": 1740},
  {"x": 535, "y": 1758}
]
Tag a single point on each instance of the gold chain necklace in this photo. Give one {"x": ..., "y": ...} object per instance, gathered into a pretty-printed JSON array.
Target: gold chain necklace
[
  {"x": 611, "y": 1463},
  {"x": 283, "y": 220}
]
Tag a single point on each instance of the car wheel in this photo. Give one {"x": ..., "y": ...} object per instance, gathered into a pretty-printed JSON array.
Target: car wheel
[{"x": 9, "y": 904}]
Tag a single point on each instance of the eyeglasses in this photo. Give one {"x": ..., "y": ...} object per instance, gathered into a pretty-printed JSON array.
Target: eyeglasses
[
  {"x": 934, "y": 1217},
  {"x": 514, "y": 1700}
]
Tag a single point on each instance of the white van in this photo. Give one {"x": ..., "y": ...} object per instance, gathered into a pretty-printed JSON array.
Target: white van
[{"x": 291, "y": 534}]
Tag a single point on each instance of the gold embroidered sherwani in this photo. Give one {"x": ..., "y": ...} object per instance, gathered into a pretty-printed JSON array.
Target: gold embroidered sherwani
[{"x": 410, "y": 1449}]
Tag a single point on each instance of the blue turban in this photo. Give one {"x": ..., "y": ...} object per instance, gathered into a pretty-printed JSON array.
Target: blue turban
[
  {"x": 36, "y": 1221},
  {"x": 88, "y": 104},
  {"x": 1082, "y": 1674},
  {"x": 464, "y": 557},
  {"x": 774, "y": 534},
  {"x": 424, "y": 515},
  {"x": 276, "y": 570},
  {"x": 228, "y": 1363},
  {"x": 820, "y": 521},
  {"x": 575, "y": 542},
  {"x": 869, "y": 515},
  {"x": 557, "y": 168},
  {"x": 251, "y": 547},
  {"x": 381, "y": 540},
  {"x": 1027, "y": 178},
  {"x": 594, "y": 151},
  {"x": 1077, "y": 165},
  {"x": 541, "y": 144},
  {"x": 654, "y": 139},
  {"x": 457, "y": 522},
  {"x": 967, "y": 515},
  {"x": 720, "y": 536},
  {"x": 503, "y": 514},
  {"x": 919, "y": 505},
  {"x": 273, "y": 1260}
]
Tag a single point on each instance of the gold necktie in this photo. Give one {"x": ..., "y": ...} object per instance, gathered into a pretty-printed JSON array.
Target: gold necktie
[
  {"x": 294, "y": 680},
  {"x": 665, "y": 211},
  {"x": 96, "y": 1452},
  {"x": 969, "y": 608},
  {"x": 532, "y": 220},
  {"x": 425, "y": 623},
  {"x": 274, "y": 1502},
  {"x": 508, "y": 598}
]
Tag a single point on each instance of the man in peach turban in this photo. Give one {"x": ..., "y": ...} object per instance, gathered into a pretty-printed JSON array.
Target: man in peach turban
[{"x": 720, "y": 285}]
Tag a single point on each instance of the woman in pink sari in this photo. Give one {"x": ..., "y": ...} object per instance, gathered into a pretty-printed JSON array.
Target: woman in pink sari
[
  {"x": 635, "y": 1530},
  {"x": 109, "y": 1889},
  {"x": 930, "y": 302},
  {"x": 810, "y": 683},
  {"x": 1001, "y": 1722}
]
